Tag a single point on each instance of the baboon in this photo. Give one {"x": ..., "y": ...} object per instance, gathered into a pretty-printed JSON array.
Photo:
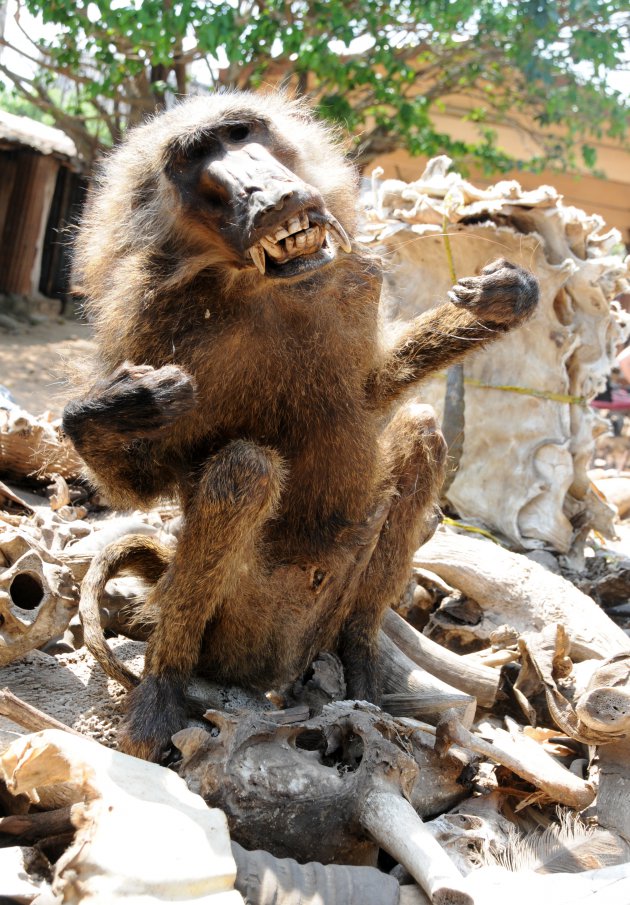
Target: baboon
[{"x": 242, "y": 368}]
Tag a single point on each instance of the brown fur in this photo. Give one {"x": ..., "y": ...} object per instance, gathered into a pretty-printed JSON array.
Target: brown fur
[{"x": 264, "y": 404}]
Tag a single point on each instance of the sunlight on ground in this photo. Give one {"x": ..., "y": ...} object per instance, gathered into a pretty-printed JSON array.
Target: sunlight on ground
[{"x": 36, "y": 364}]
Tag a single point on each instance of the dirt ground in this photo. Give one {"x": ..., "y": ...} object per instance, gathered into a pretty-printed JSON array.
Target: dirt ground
[{"x": 36, "y": 364}]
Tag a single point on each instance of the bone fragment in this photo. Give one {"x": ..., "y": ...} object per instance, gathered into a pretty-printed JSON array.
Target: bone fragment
[
  {"x": 339, "y": 232},
  {"x": 393, "y": 823},
  {"x": 78, "y": 556},
  {"x": 513, "y": 590},
  {"x": 433, "y": 696},
  {"x": 472, "y": 678},
  {"x": 37, "y": 595},
  {"x": 258, "y": 257},
  {"x": 31, "y": 445},
  {"x": 605, "y": 704},
  {"x": 523, "y": 756}
]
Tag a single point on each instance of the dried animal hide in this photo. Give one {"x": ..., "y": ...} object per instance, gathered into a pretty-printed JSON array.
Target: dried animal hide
[{"x": 523, "y": 469}]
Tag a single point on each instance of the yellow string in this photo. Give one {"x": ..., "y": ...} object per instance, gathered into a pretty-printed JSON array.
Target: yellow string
[
  {"x": 472, "y": 528},
  {"x": 529, "y": 391}
]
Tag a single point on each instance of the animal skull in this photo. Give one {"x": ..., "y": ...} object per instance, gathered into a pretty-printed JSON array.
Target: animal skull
[{"x": 37, "y": 596}]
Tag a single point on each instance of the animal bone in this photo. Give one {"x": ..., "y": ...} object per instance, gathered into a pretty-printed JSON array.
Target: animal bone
[
  {"x": 397, "y": 828},
  {"x": 523, "y": 756},
  {"x": 37, "y": 596},
  {"x": 511, "y": 589},
  {"x": 479, "y": 681},
  {"x": 185, "y": 855},
  {"x": 318, "y": 772}
]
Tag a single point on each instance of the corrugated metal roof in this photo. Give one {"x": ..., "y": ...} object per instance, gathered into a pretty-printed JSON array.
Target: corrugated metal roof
[{"x": 24, "y": 131}]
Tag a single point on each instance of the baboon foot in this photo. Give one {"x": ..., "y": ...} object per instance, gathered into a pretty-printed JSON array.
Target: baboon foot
[
  {"x": 503, "y": 293},
  {"x": 156, "y": 710}
]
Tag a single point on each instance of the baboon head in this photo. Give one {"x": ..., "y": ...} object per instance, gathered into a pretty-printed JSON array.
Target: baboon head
[{"x": 252, "y": 183}]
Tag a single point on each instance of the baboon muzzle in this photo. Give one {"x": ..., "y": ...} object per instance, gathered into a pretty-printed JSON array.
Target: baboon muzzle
[{"x": 283, "y": 219}]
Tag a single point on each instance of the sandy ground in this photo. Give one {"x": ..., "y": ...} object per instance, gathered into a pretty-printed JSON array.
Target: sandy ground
[{"x": 36, "y": 363}]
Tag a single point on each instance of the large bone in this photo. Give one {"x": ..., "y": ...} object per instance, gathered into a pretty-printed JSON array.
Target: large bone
[
  {"x": 512, "y": 590},
  {"x": 479, "y": 681},
  {"x": 523, "y": 756},
  {"x": 394, "y": 824},
  {"x": 432, "y": 696},
  {"x": 184, "y": 854},
  {"x": 315, "y": 774}
]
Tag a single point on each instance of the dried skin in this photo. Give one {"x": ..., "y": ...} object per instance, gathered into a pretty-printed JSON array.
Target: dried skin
[{"x": 259, "y": 390}]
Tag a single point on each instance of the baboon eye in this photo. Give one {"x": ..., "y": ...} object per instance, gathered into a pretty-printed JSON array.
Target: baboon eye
[{"x": 239, "y": 132}]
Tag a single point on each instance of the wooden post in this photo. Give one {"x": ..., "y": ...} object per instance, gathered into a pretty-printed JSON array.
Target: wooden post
[{"x": 25, "y": 223}]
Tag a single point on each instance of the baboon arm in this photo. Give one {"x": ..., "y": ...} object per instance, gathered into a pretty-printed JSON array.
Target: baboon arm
[
  {"x": 434, "y": 340},
  {"x": 121, "y": 430},
  {"x": 131, "y": 472},
  {"x": 481, "y": 309}
]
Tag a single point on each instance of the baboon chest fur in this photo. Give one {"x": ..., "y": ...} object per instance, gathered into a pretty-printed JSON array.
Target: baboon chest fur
[{"x": 242, "y": 368}]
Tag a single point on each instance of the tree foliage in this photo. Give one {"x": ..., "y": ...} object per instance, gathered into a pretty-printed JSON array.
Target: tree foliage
[{"x": 381, "y": 69}]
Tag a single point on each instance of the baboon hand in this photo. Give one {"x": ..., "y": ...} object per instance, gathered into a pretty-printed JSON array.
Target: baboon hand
[
  {"x": 137, "y": 400},
  {"x": 502, "y": 294}
]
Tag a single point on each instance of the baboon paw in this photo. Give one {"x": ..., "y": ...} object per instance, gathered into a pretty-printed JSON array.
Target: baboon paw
[
  {"x": 142, "y": 400},
  {"x": 502, "y": 294},
  {"x": 156, "y": 710}
]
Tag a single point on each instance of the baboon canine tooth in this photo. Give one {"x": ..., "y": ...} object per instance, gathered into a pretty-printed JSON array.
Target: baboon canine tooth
[
  {"x": 304, "y": 221},
  {"x": 258, "y": 257},
  {"x": 340, "y": 234}
]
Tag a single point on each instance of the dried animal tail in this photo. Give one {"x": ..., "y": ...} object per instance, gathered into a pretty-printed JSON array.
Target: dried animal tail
[{"x": 143, "y": 555}]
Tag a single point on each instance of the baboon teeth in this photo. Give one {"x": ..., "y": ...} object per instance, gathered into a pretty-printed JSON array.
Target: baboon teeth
[
  {"x": 295, "y": 238},
  {"x": 273, "y": 248},
  {"x": 258, "y": 257},
  {"x": 293, "y": 226},
  {"x": 312, "y": 236},
  {"x": 339, "y": 232}
]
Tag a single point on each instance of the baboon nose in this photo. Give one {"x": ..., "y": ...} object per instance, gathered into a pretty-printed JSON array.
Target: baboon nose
[{"x": 264, "y": 202}]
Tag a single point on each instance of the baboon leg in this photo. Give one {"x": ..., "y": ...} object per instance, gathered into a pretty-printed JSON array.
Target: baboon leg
[
  {"x": 416, "y": 454},
  {"x": 237, "y": 492}
]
